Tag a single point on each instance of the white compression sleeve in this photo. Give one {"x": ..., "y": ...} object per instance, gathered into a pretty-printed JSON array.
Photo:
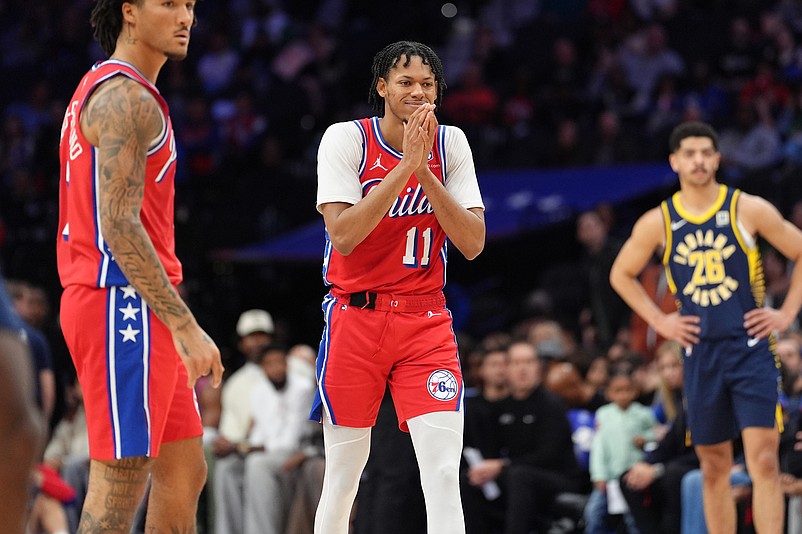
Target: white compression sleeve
[
  {"x": 437, "y": 438},
  {"x": 347, "y": 452}
]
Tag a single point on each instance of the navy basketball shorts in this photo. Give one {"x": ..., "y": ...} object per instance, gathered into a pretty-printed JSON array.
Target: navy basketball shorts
[{"x": 730, "y": 384}]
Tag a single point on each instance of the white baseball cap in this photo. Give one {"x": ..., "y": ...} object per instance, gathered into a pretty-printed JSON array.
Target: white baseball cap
[{"x": 253, "y": 321}]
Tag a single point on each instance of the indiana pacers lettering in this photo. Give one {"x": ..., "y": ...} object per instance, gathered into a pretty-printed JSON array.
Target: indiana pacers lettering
[
  {"x": 706, "y": 252},
  {"x": 709, "y": 261}
]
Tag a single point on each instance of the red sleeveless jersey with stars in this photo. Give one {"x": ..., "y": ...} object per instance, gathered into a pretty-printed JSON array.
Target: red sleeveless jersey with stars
[
  {"x": 406, "y": 253},
  {"x": 84, "y": 257}
]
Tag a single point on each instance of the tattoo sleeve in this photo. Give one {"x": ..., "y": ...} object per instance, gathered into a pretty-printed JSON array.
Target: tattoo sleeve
[{"x": 127, "y": 118}]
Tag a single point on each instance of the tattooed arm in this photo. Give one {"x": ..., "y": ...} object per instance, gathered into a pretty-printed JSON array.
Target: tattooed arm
[{"x": 121, "y": 119}]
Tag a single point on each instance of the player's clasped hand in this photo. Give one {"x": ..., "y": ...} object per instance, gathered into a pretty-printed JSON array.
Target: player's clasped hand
[
  {"x": 681, "y": 328},
  {"x": 417, "y": 133},
  {"x": 760, "y": 322}
]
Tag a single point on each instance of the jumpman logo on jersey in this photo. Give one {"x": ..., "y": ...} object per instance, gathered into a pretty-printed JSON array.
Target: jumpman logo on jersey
[{"x": 378, "y": 164}]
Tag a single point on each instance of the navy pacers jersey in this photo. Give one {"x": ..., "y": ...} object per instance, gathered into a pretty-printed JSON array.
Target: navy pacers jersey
[{"x": 713, "y": 267}]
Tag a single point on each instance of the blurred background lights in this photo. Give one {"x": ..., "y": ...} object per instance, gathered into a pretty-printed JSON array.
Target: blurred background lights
[{"x": 449, "y": 10}]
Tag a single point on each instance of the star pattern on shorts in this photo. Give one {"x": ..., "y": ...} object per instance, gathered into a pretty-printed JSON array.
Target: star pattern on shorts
[
  {"x": 129, "y": 334},
  {"x": 129, "y": 312},
  {"x": 129, "y": 292}
]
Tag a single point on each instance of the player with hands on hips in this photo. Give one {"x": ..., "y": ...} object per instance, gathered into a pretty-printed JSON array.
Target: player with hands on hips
[{"x": 707, "y": 234}]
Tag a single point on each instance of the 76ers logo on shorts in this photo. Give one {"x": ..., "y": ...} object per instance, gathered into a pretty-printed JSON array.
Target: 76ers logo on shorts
[{"x": 442, "y": 385}]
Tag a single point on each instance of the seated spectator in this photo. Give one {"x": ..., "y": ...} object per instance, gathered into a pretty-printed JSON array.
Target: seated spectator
[
  {"x": 788, "y": 350},
  {"x": 482, "y": 514},
  {"x": 51, "y": 494},
  {"x": 623, "y": 427},
  {"x": 652, "y": 487},
  {"x": 535, "y": 460},
  {"x": 255, "y": 330},
  {"x": 778, "y": 281},
  {"x": 279, "y": 406},
  {"x": 645, "y": 374},
  {"x": 751, "y": 145},
  {"x": 40, "y": 349},
  {"x": 668, "y": 400},
  {"x": 646, "y": 57},
  {"x": 67, "y": 453},
  {"x": 564, "y": 380}
]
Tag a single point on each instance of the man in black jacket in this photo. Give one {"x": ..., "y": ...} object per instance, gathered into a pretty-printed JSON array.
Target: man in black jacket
[{"x": 535, "y": 459}]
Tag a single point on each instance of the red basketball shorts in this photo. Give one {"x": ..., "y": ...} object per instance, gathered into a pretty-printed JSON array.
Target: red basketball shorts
[
  {"x": 134, "y": 383},
  {"x": 362, "y": 350}
]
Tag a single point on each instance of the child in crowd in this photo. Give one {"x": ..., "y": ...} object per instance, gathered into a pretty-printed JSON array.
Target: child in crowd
[{"x": 622, "y": 428}]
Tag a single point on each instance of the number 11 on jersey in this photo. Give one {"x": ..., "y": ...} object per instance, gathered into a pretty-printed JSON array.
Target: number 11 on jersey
[{"x": 411, "y": 250}]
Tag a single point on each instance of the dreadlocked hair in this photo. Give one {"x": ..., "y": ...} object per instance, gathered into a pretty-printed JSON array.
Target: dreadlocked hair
[
  {"x": 107, "y": 21},
  {"x": 389, "y": 57}
]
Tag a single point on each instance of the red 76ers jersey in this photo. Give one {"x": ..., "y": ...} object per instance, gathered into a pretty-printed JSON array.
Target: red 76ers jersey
[
  {"x": 406, "y": 253},
  {"x": 84, "y": 257}
]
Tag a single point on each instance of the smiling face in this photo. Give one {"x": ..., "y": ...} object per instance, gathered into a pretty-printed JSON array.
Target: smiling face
[
  {"x": 408, "y": 85},
  {"x": 696, "y": 161}
]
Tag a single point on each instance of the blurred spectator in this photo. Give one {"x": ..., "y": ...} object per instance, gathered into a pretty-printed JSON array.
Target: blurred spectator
[
  {"x": 67, "y": 452},
  {"x": 605, "y": 311},
  {"x": 614, "y": 144},
  {"x": 668, "y": 398},
  {"x": 51, "y": 494},
  {"x": 40, "y": 349},
  {"x": 788, "y": 350},
  {"x": 652, "y": 488},
  {"x": 564, "y": 380},
  {"x": 598, "y": 373},
  {"x": 483, "y": 512},
  {"x": 255, "y": 330},
  {"x": 217, "y": 64},
  {"x": 301, "y": 363},
  {"x": 765, "y": 88},
  {"x": 789, "y": 55},
  {"x": 704, "y": 92},
  {"x": 535, "y": 459},
  {"x": 751, "y": 145},
  {"x": 646, "y": 57},
  {"x": 199, "y": 137},
  {"x": 665, "y": 109},
  {"x": 565, "y": 76},
  {"x": 737, "y": 60},
  {"x": 242, "y": 126},
  {"x": 279, "y": 409},
  {"x": 775, "y": 271},
  {"x": 654, "y": 9},
  {"x": 609, "y": 87},
  {"x": 472, "y": 104},
  {"x": 568, "y": 148}
]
